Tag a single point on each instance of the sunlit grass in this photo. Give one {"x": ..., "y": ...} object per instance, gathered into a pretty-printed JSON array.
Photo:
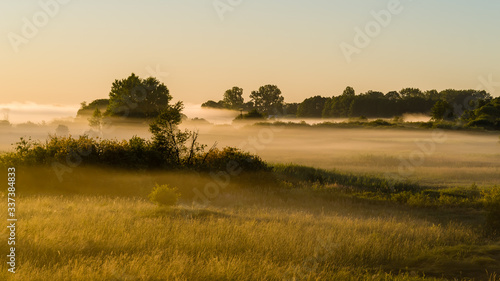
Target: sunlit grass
[{"x": 241, "y": 236}]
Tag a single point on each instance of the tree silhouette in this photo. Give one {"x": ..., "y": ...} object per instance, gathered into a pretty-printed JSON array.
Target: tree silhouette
[
  {"x": 136, "y": 97},
  {"x": 233, "y": 98},
  {"x": 268, "y": 99}
]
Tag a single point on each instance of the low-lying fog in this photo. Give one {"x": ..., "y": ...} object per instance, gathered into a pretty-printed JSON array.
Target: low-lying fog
[{"x": 430, "y": 156}]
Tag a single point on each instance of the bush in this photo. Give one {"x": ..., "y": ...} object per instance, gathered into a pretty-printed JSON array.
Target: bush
[
  {"x": 492, "y": 205},
  {"x": 230, "y": 159},
  {"x": 252, "y": 115},
  {"x": 164, "y": 195},
  {"x": 379, "y": 122}
]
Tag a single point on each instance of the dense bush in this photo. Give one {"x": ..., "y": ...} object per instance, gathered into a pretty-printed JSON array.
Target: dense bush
[
  {"x": 164, "y": 195},
  {"x": 229, "y": 159},
  {"x": 136, "y": 153},
  {"x": 492, "y": 205}
]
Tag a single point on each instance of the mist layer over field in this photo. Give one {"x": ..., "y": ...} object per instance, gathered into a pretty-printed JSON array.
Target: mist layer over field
[
  {"x": 429, "y": 156},
  {"x": 432, "y": 157},
  {"x": 254, "y": 226}
]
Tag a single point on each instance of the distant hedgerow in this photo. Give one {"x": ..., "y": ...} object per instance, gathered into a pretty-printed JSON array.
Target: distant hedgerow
[{"x": 136, "y": 153}]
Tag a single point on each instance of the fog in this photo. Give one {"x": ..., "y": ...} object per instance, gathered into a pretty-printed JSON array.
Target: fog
[
  {"x": 455, "y": 158},
  {"x": 17, "y": 113}
]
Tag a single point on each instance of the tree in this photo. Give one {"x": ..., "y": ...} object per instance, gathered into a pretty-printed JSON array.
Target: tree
[
  {"x": 340, "y": 106},
  {"x": 371, "y": 104},
  {"x": 393, "y": 95},
  {"x": 95, "y": 121},
  {"x": 88, "y": 109},
  {"x": 136, "y": 97},
  {"x": 349, "y": 91},
  {"x": 291, "y": 108},
  {"x": 268, "y": 99},
  {"x": 432, "y": 95},
  {"x": 213, "y": 104},
  {"x": 171, "y": 141},
  {"x": 233, "y": 98},
  {"x": 62, "y": 130},
  {"x": 442, "y": 110},
  {"x": 411, "y": 93},
  {"x": 311, "y": 107}
]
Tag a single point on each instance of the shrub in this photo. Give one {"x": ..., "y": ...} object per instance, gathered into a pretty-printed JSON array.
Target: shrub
[
  {"x": 379, "y": 122},
  {"x": 164, "y": 195},
  {"x": 492, "y": 205},
  {"x": 253, "y": 114},
  {"x": 230, "y": 159}
]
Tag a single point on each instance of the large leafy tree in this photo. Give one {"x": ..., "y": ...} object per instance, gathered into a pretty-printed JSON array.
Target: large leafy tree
[
  {"x": 136, "y": 97},
  {"x": 233, "y": 98},
  {"x": 268, "y": 99}
]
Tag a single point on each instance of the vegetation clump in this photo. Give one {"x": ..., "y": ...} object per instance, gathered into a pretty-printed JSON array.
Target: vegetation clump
[
  {"x": 252, "y": 115},
  {"x": 492, "y": 205},
  {"x": 164, "y": 195}
]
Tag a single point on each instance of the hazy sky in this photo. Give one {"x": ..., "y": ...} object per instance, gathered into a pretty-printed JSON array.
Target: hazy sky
[{"x": 81, "y": 46}]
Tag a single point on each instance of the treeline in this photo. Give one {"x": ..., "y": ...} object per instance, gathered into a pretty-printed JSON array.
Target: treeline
[
  {"x": 371, "y": 104},
  {"x": 134, "y": 97},
  {"x": 469, "y": 107}
]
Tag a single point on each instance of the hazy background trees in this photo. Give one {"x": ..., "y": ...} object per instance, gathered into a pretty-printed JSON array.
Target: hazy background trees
[
  {"x": 233, "y": 98},
  {"x": 136, "y": 97},
  {"x": 311, "y": 107},
  {"x": 268, "y": 99}
]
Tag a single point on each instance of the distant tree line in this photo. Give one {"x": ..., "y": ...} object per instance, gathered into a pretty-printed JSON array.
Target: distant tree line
[
  {"x": 470, "y": 107},
  {"x": 134, "y": 97},
  {"x": 267, "y": 100}
]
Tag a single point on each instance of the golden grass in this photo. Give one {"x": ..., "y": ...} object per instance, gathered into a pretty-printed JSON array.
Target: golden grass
[{"x": 242, "y": 236}]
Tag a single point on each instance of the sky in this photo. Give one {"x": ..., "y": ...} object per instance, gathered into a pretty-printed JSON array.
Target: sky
[{"x": 63, "y": 52}]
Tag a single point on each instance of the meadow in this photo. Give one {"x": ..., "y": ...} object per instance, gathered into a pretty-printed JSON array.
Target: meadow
[{"x": 291, "y": 223}]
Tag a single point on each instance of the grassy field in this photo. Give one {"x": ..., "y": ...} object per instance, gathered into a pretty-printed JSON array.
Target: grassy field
[
  {"x": 242, "y": 237},
  {"x": 245, "y": 233},
  {"x": 97, "y": 224}
]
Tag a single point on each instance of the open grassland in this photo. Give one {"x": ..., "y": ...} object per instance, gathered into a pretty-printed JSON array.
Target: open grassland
[
  {"x": 243, "y": 236},
  {"x": 291, "y": 223}
]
